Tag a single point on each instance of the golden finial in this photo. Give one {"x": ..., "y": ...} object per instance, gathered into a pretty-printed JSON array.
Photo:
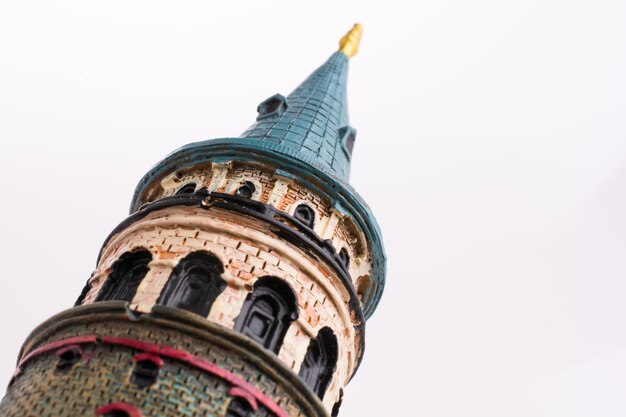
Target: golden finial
[{"x": 349, "y": 44}]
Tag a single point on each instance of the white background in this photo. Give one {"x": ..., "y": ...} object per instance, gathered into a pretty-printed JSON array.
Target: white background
[{"x": 491, "y": 147}]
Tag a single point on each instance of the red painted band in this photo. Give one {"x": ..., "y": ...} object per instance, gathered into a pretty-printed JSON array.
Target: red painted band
[{"x": 168, "y": 352}]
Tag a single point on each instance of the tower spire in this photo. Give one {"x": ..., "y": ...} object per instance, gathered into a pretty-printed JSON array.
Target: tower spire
[
  {"x": 349, "y": 44},
  {"x": 311, "y": 124},
  {"x": 239, "y": 284}
]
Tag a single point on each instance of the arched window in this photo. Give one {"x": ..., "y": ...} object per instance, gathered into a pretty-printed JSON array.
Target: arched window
[
  {"x": 188, "y": 188},
  {"x": 305, "y": 214},
  {"x": 194, "y": 284},
  {"x": 267, "y": 312},
  {"x": 125, "y": 276},
  {"x": 239, "y": 407},
  {"x": 344, "y": 257},
  {"x": 68, "y": 357},
  {"x": 320, "y": 361},
  {"x": 118, "y": 410},
  {"x": 245, "y": 190},
  {"x": 146, "y": 370}
]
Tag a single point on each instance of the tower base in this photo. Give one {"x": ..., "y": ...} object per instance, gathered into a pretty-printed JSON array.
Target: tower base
[{"x": 103, "y": 358}]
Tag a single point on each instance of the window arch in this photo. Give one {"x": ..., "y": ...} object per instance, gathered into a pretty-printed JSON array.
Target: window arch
[
  {"x": 188, "y": 188},
  {"x": 320, "y": 361},
  {"x": 246, "y": 189},
  {"x": 267, "y": 312},
  {"x": 239, "y": 407},
  {"x": 305, "y": 214},
  {"x": 194, "y": 283},
  {"x": 125, "y": 276},
  {"x": 344, "y": 257}
]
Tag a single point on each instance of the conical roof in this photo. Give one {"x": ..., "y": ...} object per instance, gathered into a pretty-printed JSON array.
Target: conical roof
[
  {"x": 312, "y": 122},
  {"x": 305, "y": 135}
]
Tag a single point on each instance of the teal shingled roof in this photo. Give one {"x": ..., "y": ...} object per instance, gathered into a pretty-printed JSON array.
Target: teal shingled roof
[{"x": 309, "y": 126}]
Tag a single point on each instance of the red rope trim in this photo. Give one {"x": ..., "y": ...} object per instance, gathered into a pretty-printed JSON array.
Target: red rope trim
[{"x": 168, "y": 352}]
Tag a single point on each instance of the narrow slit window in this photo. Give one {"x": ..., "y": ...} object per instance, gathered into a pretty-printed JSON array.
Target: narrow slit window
[
  {"x": 344, "y": 257},
  {"x": 146, "y": 370},
  {"x": 347, "y": 135},
  {"x": 68, "y": 357},
  {"x": 320, "y": 362}
]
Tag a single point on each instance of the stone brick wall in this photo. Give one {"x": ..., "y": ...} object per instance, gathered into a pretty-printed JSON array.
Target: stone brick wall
[
  {"x": 278, "y": 191},
  {"x": 248, "y": 250},
  {"x": 102, "y": 375}
]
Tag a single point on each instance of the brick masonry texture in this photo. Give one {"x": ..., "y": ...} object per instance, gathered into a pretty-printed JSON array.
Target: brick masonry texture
[
  {"x": 102, "y": 376},
  {"x": 248, "y": 251},
  {"x": 283, "y": 194},
  {"x": 316, "y": 111}
]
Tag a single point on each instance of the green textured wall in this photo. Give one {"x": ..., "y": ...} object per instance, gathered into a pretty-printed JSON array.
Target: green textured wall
[{"x": 102, "y": 376}]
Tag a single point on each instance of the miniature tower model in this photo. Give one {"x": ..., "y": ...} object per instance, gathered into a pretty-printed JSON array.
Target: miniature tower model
[{"x": 238, "y": 286}]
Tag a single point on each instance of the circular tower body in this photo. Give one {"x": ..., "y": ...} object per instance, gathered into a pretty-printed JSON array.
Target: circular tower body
[{"x": 238, "y": 286}]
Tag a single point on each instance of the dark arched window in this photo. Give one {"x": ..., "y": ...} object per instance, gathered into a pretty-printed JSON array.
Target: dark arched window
[
  {"x": 344, "y": 257},
  {"x": 146, "y": 370},
  {"x": 267, "y": 312},
  {"x": 239, "y": 407},
  {"x": 188, "y": 188},
  {"x": 305, "y": 214},
  {"x": 68, "y": 357},
  {"x": 125, "y": 276},
  {"x": 245, "y": 190},
  {"x": 145, "y": 373},
  {"x": 194, "y": 284},
  {"x": 320, "y": 361}
]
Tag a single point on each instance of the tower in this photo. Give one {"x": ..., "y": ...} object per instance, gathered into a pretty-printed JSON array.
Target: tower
[{"x": 238, "y": 286}]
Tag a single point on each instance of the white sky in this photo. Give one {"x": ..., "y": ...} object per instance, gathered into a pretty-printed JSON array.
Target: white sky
[{"x": 491, "y": 147}]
